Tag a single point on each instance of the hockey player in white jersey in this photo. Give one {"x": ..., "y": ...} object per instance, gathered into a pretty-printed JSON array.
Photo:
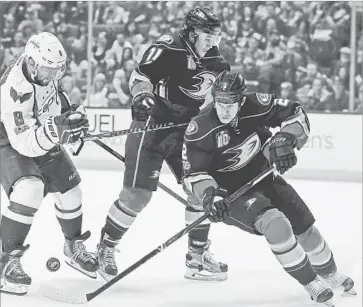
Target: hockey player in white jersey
[{"x": 36, "y": 120}]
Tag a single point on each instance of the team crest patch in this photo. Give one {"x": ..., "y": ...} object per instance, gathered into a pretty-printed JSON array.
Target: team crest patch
[
  {"x": 264, "y": 99},
  {"x": 168, "y": 39},
  {"x": 192, "y": 128}
]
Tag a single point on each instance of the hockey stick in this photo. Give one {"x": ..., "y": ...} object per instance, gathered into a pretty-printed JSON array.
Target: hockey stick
[
  {"x": 155, "y": 127},
  {"x": 82, "y": 298},
  {"x": 121, "y": 158}
]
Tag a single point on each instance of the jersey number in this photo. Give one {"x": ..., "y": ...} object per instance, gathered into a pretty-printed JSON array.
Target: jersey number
[{"x": 152, "y": 54}]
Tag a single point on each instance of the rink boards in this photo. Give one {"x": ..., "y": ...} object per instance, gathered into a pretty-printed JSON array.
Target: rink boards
[{"x": 333, "y": 152}]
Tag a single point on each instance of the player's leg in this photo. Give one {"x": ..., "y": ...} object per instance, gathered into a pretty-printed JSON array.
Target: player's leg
[
  {"x": 144, "y": 159},
  {"x": 200, "y": 263},
  {"x": 254, "y": 213},
  {"x": 318, "y": 250},
  {"x": 22, "y": 181},
  {"x": 62, "y": 182}
]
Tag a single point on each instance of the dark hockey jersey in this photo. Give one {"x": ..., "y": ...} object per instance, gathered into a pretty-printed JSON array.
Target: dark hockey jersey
[
  {"x": 179, "y": 77},
  {"x": 229, "y": 155}
]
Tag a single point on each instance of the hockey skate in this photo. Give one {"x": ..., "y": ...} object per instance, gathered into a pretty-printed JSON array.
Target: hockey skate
[
  {"x": 320, "y": 292},
  {"x": 105, "y": 254},
  {"x": 341, "y": 283},
  {"x": 13, "y": 278},
  {"x": 202, "y": 266},
  {"x": 78, "y": 258}
]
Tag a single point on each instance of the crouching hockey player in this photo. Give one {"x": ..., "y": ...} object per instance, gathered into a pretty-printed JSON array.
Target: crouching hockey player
[
  {"x": 226, "y": 146},
  {"x": 36, "y": 120}
]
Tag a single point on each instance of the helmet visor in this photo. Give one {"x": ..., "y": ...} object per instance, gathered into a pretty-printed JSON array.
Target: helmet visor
[
  {"x": 212, "y": 39},
  {"x": 53, "y": 73}
]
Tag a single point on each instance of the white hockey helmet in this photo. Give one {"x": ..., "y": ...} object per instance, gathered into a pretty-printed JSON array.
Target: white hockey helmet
[{"x": 48, "y": 54}]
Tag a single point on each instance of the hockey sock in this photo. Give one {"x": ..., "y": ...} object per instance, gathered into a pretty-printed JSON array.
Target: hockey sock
[
  {"x": 70, "y": 221},
  {"x": 15, "y": 225},
  {"x": 294, "y": 260},
  {"x": 318, "y": 251},
  {"x": 198, "y": 236},
  {"x": 279, "y": 234},
  {"x": 118, "y": 220}
]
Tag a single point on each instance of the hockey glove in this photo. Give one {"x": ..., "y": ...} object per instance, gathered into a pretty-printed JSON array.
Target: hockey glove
[
  {"x": 215, "y": 204},
  {"x": 142, "y": 104},
  {"x": 66, "y": 128},
  {"x": 282, "y": 152}
]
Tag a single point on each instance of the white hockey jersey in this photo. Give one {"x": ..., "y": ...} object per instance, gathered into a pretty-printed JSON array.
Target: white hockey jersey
[{"x": 25, "y": 106}]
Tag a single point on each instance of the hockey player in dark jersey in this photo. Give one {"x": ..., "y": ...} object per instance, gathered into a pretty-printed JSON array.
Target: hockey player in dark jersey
[
  {"x": 227, "y": 145},
  {"x": 169, "y": 85}
]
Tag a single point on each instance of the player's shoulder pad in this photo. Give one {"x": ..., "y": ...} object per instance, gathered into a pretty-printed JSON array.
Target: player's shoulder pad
[
  {"x": 17, "y": 86},
  {"x": 171, "y": 42},
  {"x": 257, "y": 104},
  {"x": 202, "y": 125}
]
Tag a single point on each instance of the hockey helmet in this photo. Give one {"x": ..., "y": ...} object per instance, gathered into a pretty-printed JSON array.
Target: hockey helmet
[
  {"x": 203, "y": 21},
  {"x": 48, "y": 55},
  {"x": 228, "y": 95}
]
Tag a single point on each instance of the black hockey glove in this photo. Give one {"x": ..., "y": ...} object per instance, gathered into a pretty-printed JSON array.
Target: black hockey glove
[
  {"x": 282, "y": 152},
  {"x": 66, "y": 128},
  {"x": 142, "y": 104},
  {"x": 218, "y": 210}
]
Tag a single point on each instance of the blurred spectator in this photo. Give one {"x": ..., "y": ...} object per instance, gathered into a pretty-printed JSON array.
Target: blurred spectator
[
  {"x": 99, "y": 53},
  {"x": 311, "y": 73},
  {"x": 79, "y": 12},
  {"x": 32, "y": 20},
  {"x": 341, "y": 96},
  {"x": 8, "y": 31},
  {"x": 287, "y": 91},
  {"x": 11, "y": 53},
  {"x": 344, "y": 60},
  {"x": 320, "y": 96},
  {"x": 276, "y": 44},
  {"x": 121, "y": 83},
  {"x": 139, "y": 47},
  {"x": 115, "y": 57},
  {"x": 359, "y": 100},
  {"x": 99, "y": 92},
  {"x": 72, "y": 90},
  {"x": 131, "y": 30},
  {"x": 115, "y": 14}
]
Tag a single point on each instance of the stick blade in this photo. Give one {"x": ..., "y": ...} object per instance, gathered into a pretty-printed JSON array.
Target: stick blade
[{"x": 64, "y": 296}]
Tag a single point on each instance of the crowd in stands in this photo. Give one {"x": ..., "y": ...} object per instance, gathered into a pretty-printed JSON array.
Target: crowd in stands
[{"x": 298, "y": 50}]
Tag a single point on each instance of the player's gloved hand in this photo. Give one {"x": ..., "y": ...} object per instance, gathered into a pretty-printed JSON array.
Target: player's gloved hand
[
  {"x": 282, "y": 152},
  {"x": 215, "y": 204},
  {"x": 142, "y": 104},
  {"x": 66, "y": 128}
]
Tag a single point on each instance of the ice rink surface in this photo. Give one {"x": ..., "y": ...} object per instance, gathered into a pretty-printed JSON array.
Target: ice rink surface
[{"x": 255, "y": 277}]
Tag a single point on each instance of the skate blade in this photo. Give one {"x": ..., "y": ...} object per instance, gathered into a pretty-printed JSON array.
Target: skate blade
[
  {"x": 76, "y": 266},
  {"x": 329, "y": 303},
  {"x": 350, "y": 293},
  {"x": 14, "y": 289},
  {"x": 204, "y": 275},
  {"x": 105, "y": 276}
]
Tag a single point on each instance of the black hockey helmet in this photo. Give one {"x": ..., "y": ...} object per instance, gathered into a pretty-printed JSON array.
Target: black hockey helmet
[
  {"x": 202, "y": 19},
  {"x": 229, "y": 87}
]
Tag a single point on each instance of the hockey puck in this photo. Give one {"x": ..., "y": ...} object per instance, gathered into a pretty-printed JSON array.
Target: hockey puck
[{"x": 53, "y": 264}]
